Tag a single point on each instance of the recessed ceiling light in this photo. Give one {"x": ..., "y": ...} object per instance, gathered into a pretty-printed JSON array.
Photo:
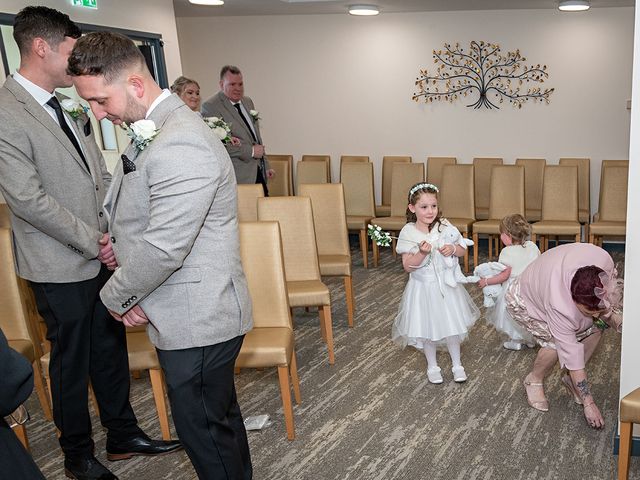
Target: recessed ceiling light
[
  {"x": 363, "y": 10},
  {"x": 207, "y": 2},
  {"x": 574, "y": 5}
]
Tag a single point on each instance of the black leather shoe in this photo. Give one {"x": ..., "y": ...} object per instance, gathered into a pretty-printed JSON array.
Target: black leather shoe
[
  {"x": 86, "y": 468},
  {"x": 140, "y": 445}
]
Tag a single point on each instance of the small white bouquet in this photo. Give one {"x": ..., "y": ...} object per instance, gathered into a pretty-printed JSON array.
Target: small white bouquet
[
  {"x": 220, "y": 128},
  {"x": 382, "y": 238},
  {"x": 141, "y": 132},
  {"x": 73, "y": 108}
]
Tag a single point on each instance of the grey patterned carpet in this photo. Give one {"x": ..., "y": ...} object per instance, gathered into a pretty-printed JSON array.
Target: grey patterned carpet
[{"x": 374, "y": 416}]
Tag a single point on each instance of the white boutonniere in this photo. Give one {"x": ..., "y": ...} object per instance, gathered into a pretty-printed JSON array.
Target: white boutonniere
[
  {"x": 255, "y": 115},
  {"x": 73, "y": 108},
  {"x": 220, "y": 128},
  {"x": 141, "y": 133}
]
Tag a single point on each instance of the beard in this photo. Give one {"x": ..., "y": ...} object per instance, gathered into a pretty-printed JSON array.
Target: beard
[{"x": 134, "y": 110}]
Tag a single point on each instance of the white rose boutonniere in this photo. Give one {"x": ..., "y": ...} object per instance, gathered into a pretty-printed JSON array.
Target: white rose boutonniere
[
  {"x": 220, "y": 128},
  {"x": 255, "y": 115},
  {"x": 141, "y": 132},
  {"x": 73, "y": 108}
]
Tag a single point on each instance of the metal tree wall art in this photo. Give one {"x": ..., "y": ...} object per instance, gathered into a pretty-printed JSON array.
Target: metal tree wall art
[{"x": 496, "y": 77}]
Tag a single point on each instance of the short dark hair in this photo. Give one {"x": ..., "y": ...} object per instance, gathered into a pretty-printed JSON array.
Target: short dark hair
[
  {"x": 229, "y": 69},
  {"x": 104, "y": 53},
  {"x": 583, "y": 285},
  {"x": 43, "y": 22}
]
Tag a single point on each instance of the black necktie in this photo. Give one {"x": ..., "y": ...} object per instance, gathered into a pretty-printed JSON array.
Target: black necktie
[
  {"x": 55, "y": 104},
  {"x": 246, "y": 122}
]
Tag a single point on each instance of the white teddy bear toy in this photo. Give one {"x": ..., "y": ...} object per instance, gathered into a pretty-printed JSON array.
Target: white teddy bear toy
[
  {"x": 452, "y": 271},
  {"x": 489, "y": 269}
]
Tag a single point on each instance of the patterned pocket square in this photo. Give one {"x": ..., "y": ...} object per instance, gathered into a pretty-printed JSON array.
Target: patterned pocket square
[{"x": 127, "y": 165}]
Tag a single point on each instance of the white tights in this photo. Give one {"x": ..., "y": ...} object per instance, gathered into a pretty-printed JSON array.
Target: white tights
[{"x": 453, "y": 345}]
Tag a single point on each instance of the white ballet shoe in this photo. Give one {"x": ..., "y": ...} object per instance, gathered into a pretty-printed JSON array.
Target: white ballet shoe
[
  {"x": 434, "y": 375},
  {"x": 513, "y": 345},
  {"x": 458, "y": 374}
]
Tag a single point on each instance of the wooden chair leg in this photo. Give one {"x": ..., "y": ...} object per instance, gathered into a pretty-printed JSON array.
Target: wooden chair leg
[
  {"x": 21, "y": 433},
  {"x": 376, "y": 253},
  {"x": 157, "y": 384},
  {"x": 546, "y": 243},
  {"x": 348, "y": 294},
  {"x": 475, "y": 249},
  {"x": 490, "y": 248},
  {"x": 236, "y": 370},
  {"x": 578, "y": 238},
  {"x": 136, "y": 374},
  {"x": 364, "y": 246},
  {"x": 285, "y": 392},
  {"x": 393, "y": 246},
  {"x": 293, "y": 371},
  {"x": 325, "y": 319},
  {"x": 43, "y": 397},
  {"x": 323, "y": 326},
  {"x": 534, "y": 239},
  {"x": 624, "y": 452}
]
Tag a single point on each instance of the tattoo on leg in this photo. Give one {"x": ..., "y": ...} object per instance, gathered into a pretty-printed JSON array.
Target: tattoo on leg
[{"x": 583, "y": 388}]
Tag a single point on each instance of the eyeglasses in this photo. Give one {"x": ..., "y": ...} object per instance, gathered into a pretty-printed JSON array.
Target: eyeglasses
[{"x": 19, "y": 417}]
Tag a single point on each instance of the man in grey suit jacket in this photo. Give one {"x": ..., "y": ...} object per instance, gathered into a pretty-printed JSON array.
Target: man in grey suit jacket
[
  {"x": 249, "y": 160},
  {"x": 173, "y": 220},
  {"x": 54, "y": 179}
]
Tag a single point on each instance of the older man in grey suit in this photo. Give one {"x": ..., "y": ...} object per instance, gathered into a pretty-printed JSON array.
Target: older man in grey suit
[
  {"x": 249, "y": 160},
  {"x": 172, "y": 208},
  {"x": 54, "y": 179}
]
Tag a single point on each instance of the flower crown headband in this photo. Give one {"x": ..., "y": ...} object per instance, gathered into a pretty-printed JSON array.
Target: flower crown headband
[{"x": 420, "y": 186}]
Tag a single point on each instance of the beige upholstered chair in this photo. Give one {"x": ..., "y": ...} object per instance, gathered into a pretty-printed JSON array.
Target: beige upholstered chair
[
  {"x": 279, "y": 185},
  {"x": 435, "y": 166},
  {"x": 603, "y": 165},
  {"x": 612, "y": 211},
  {"x": 320, "y": 158},
  {"x": 332, "y": 237},
  {"x": 384, "y": 210},
  {"x": 405, "y": 175},
  {"x": 629, "y": 415},
  {"x": 14, "y": 319},
  {"x": 310, "y": 172},
  {"x": 289, "y": 160},
  {"x": 559, "y": 205},
  {"x": 301, "y": 267},
  {"x": 270, "y": 343},
  {"x": 584, "y": 189},
  {"x": 357, "y": 179},
  {"x": 457, "y": 200},
  {"x": 248, "y": 195},
  {"x": 352, "y": 159},
  {"x": 482, "y": 181},
  {"x": 5, "y": 220},
  {"x": 533, "y": 179},
  {"x": 507, "y": 198}
]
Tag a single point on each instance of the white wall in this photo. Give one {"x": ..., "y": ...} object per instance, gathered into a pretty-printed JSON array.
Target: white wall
[
  {"x": 630, "y": 358},
  {"x": 154, "y": 16},
  {"x": 336, "y": 84}
]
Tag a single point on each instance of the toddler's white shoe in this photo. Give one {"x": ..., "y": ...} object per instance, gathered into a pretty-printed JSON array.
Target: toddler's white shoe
[
  {"x": 458, "y": 374},
  {"x": 512, "y": 345},
  {"x": 434, "y": 375}
]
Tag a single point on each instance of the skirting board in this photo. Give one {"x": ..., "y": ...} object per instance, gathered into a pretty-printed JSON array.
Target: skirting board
[{"x": 635, "y": 445}]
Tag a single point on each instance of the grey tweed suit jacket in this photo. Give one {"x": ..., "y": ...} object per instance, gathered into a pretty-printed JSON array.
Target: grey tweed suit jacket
[
  {"x": 245, "y": 166},
  {"x": 55, "y": 202},
  {"x": 174, "y": 230}
]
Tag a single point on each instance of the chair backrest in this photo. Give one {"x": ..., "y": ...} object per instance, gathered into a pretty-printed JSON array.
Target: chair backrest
[
  {"x": 614, "y": 188},
  {"x": 609, "y": 163},
  {"x": 456, "y": 191},
  {"x": 320, "y": 158},
  {"x": 584, "y": 188},
  {"x": 5, "y": 216},
  {"x": 329, "y": 217},
  {"x": 352, "y": 159},
  {"x": 13, "y": 314},
  {"x": 482, "y": 183},
  {"x": 435, "y": 166},
  {"x": 507, "y": 191},
  {"x": 387, "y": 172},
  {"x": 560, "y": 193},
  {"x": 263, "y": 264},
  {"x": 533, "y": 179},
  {"x": 279, "y": 184},
  {"x": 298, "y": 234},
  {"x": 310, "y": 172},
  {"x": 357, "y": 179},
  {"x": 405, "y": 175},
  {"x": 248, "y": 195},
  {"x": 285, "y": 158}
]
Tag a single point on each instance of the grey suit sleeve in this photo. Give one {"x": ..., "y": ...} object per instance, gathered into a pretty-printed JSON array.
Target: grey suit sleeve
[
  {"x": 23, "y": 191},
  {"x": 182, "y": 180}
]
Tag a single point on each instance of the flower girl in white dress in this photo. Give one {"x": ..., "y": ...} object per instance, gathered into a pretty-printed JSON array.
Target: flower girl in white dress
[
  {"x": 517, "y": 254},
  {"x": 432, "y": 312}
]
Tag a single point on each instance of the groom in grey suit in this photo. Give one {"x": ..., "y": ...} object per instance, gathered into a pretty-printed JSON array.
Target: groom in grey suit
[
  {"x": 249, "y": 160},
  {"x": 54, "y": 179},
  {"x": 172, "y": 210}
]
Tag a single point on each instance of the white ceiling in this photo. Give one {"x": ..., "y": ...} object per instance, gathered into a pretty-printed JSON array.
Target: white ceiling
[{"x": 308, "y": 7}]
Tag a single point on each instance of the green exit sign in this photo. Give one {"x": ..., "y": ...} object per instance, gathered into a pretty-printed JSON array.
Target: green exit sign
[{"x": 85, "y": 3}]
